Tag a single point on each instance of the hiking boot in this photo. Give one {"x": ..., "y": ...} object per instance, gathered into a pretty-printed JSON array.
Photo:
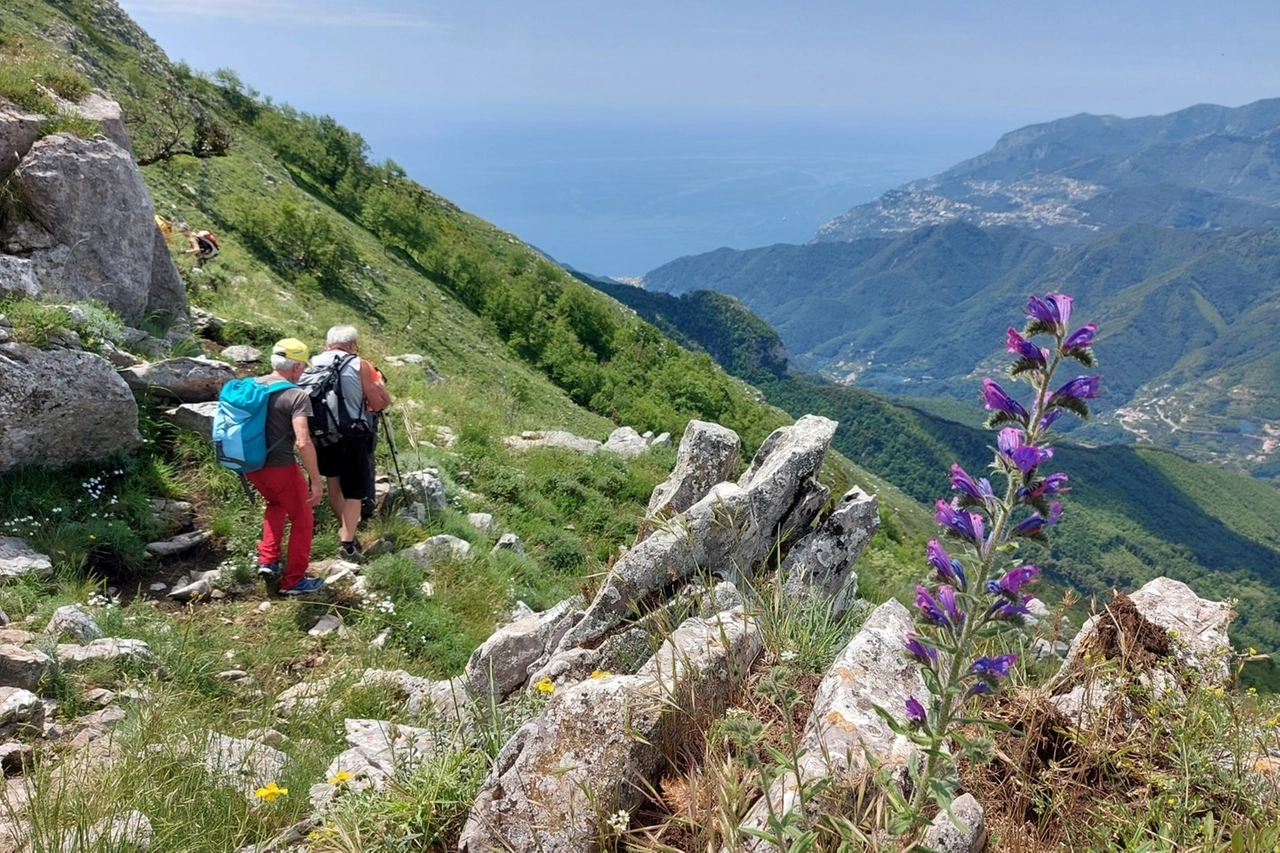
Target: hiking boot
[
  {"x": 269, "y": 571},
  {"x": 304, "y": 586},
  {"x": 351, "y": 553}
]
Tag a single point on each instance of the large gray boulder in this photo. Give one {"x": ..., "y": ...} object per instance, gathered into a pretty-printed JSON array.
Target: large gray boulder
[
  {"x": 95, "y": 235},
  {"x": 821, "y": 563},
  {"x": 62, "y": 407},
  {"x": 598, "y": 745},
  {"x": 18, "y": 278},
  {"x": 625, "y": 442},
  {"x": 845, "y": 732},
  {"x": 706, "y": 456},
  {"x": 107, "y": 114},
  {"x": 501, "y": 664},
  {"x": 19, "y": 130},
  {"x": 18, "y": 558},
  {"x": 187, "y": 380},
  {"x": 197, "y": 417}
]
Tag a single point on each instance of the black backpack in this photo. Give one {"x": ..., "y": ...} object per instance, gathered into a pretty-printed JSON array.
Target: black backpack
[{"x": 330, "y": 421}]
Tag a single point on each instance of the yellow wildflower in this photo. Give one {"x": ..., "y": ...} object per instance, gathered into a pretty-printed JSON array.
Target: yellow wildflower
[
  {"x": 601, "y": 673},
  {"x": 271, "y": 792},
  {"x": 339, "y": 778},
  {"x": 545, "y": 686},
  {"x": 1252, "y": 651}
]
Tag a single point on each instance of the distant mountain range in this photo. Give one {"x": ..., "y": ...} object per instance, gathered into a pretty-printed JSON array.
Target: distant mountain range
[
  {"x": 1205, "y": 167},
  {"x": 1188, "y": 314}
]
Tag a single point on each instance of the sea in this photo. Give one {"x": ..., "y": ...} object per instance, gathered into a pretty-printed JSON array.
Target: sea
[{"x": 618, "y": 195}]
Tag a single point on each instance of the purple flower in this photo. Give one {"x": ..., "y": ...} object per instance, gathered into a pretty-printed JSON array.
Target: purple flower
[
  {"x": 1013, "y": 581},
  {"x": 1025, "y": 456},
  {"x": 979, "y": 490},
  {"x": 1006, "y": 609},
  {"x": 915, "y": 711},
  {"x": 941, "y": 610},
  {"x": 1054, "y": 309},
  {"x": 995, "y": 399},
  {"x": 1080, "y": 388},
  {"x": 1054, "y": 484},
  {"x": 1081, "y": 338},
  {"x": 1020, "y": 346},
  {"x": 1033, "y": 524},
  {"x": 949, "y": 568},
  {"x": 1047, "y": 419},
  {"x": 967, "y": 524},
  {"x": 994, "y": 667},
  {"x": 980, "y": 687},
  {"x": 922, "y": 652}
]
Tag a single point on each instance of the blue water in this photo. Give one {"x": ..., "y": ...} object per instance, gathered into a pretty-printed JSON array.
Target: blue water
[{"x": 621, "y": 197}]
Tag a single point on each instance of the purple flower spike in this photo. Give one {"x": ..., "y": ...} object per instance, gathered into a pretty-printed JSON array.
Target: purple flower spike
[
  {"x": 915, "y": 711},
  {"x": 967, "y": 524},
  {"x": 1080, "y": 388},
  {"x": 1081, "y": 338},
  {"x": 995, "y": 399},
  {"x": 949, "y": 568},
  {"x": 994, "y": 667},
  {"x": 1020, "y": 346},
  {"x": 922, "y": 652}
]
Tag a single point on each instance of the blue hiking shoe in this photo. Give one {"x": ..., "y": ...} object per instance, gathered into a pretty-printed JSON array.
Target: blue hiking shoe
[
  {"x": 304, "y": 586},
  {"x": 269, "y": 571}
]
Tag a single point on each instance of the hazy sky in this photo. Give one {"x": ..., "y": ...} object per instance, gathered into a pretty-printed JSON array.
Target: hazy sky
[
  {"x": 913, "y": 58},
  {"x": 436, "y": 86}
]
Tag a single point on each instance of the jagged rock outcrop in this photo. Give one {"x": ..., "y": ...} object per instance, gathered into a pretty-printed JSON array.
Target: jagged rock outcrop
[
  {"x": 728, "y": 532},
  {"x": 62, "y": 407},
  {"x": 844, "y": 731},
  {"x": 602, "y": 741},
  {"x": 18, "y": 558},
  {"x": 19, "y": 130},
  {"x": 822, "y": 562},
  {"x": 501, "y": 665},
  {"x": 91, "y": 232},
  {"x": 187, "y": 380},
  {"x": 706, "y": 456}
]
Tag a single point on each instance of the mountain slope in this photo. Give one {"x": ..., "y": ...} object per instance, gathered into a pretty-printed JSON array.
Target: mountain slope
[{"x": 1205, "y": 167}]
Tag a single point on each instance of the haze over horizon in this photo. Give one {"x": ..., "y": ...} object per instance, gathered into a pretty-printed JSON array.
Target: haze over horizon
[{"x": 616, "y": 137}]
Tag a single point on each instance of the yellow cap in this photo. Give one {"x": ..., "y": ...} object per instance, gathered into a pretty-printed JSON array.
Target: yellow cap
[{"x": 294, "y": 349}]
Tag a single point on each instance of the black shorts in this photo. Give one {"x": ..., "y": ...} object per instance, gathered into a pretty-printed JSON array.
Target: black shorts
[{"x": 349, "y": 462}]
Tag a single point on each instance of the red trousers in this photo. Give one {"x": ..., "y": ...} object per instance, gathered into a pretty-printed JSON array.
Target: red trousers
[{"x": 285, "y": 490}]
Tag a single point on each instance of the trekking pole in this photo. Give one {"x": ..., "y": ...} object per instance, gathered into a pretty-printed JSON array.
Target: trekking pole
[{"x": 391, "y": 442}]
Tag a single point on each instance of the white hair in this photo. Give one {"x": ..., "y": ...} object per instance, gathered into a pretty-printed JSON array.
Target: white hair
[
  {"x": 340, "y": 336},
  {"x": 282, "y": 363}
]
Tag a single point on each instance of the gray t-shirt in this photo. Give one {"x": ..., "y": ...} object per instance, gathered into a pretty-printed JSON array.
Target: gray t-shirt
[{"x": 282, "y": 407}]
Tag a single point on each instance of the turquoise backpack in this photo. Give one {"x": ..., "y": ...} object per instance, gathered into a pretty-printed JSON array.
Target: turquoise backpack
[{"x": 240, "y": 424}]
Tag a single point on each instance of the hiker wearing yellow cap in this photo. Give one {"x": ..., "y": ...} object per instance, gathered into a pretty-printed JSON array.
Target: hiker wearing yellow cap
[{"x": 288, "y": 496}]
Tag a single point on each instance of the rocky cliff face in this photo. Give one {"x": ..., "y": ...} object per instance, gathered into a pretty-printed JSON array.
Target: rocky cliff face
[{"x": 84, "y": 227}]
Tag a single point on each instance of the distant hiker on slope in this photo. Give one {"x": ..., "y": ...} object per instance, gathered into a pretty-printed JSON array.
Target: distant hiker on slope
[
  {"x": 280, "y": 480},
  {"x": 203, "y": 244},
  {"x": 345, "y": 457}
]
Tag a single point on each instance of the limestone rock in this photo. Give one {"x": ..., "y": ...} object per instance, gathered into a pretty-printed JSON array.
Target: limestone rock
[
  {"x": 438, "y": 549},
  {"x": 501, "y": 664},
  {"x": 171, "y": 516},
  {"x": 242, "y": 354},
  {"x": 967, "y": 833},
  {"x": 206, "y": 324},
  {"x": 74, "y": 621},
  {"x": 18, "y": 558},
  {"x": 89, "y": 197},
  {"x": 197, "y": 417},
  {"x": 21, "y": 667},
  {"x": 1198, "y": 626},
  {"x": 551, "y": 438},
  {"x": 19, "y": 130},
  {"x": 131, "y": 831},
  {"x": 844, "y": 729},
  {"x": 243, "y": 765},
  {"x": 21, "y": 712},
  {"x": 625, "y": 442},
  {"x": 601, "y": 741},
  {"x": 379, "y": 751},
  {"x": 508, "y": 542},
  {"x": 18, "y": 278},
  {"x": 822, "y": 562},
  {"x": 481, "y": 521},
  {"x": 179, "y": 544},
  {"x": 187, "y": 380},
  {"x": 107, "y": 114},
  {"x": 71, "y": 656},
  {"x": 330, "y": 623},
  {"x": 427, "y": 487},
  {"x": 706, "y": 456},
  {"x": 15, "y": 757},
  {"x": 62, "y": 407}
]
